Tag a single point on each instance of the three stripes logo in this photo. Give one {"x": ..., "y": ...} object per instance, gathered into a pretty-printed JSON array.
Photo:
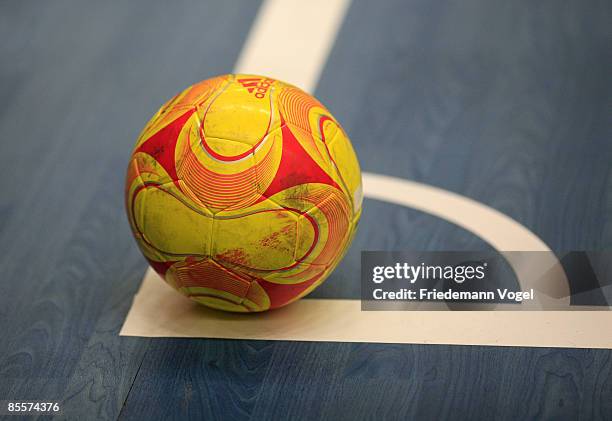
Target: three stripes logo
[{"x": 257, "y": 85}]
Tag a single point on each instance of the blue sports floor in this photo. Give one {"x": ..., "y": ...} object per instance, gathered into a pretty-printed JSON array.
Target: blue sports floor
[{"x": 504, "y": 102}]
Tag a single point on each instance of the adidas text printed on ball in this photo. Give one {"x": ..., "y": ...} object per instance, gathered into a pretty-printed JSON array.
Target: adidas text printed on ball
[{"x": 243, "y": 193}]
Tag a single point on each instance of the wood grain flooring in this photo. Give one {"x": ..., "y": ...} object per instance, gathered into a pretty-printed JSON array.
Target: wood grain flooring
[{"x": 505, "y": 102}]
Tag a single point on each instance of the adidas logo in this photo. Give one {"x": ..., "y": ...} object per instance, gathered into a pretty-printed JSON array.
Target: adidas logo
[{"x": 257, "y": 85}]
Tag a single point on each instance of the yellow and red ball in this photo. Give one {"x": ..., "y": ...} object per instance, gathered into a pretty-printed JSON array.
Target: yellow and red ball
[{"x": 243, "y": 192}]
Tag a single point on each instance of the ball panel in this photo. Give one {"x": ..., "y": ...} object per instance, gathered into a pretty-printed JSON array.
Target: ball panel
[
  {"x": 217, "y": 184},
  {"x": 333, "y": 220},
  {"x": 207, "y": 281},
  {"x": 299, "y": 108},
  {"x": 315, "y": 148},
  {"x": 241, "y": 113},
  {"x": 283, "y": 293},
  {"x": 295, "y": 168},
  {"x": 134, "y": 185},
  {"x": 323, "y": 230},
  {"x": 221, "y": 156},
  {"x": 156, "y": 156},
  {"x": 322, "y": 274},
  {"x": 169, "y": 223},
  {"x": 260, "y": 238},
  {"x": 345, "y": 162},
  {"x": 268, "y": 157}
]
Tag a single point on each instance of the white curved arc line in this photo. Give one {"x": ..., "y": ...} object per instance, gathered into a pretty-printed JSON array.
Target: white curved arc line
[{"x": 499, "y": 230}]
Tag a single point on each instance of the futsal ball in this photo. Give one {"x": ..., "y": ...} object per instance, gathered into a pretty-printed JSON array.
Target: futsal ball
[{"x": 243, "y": 193}]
